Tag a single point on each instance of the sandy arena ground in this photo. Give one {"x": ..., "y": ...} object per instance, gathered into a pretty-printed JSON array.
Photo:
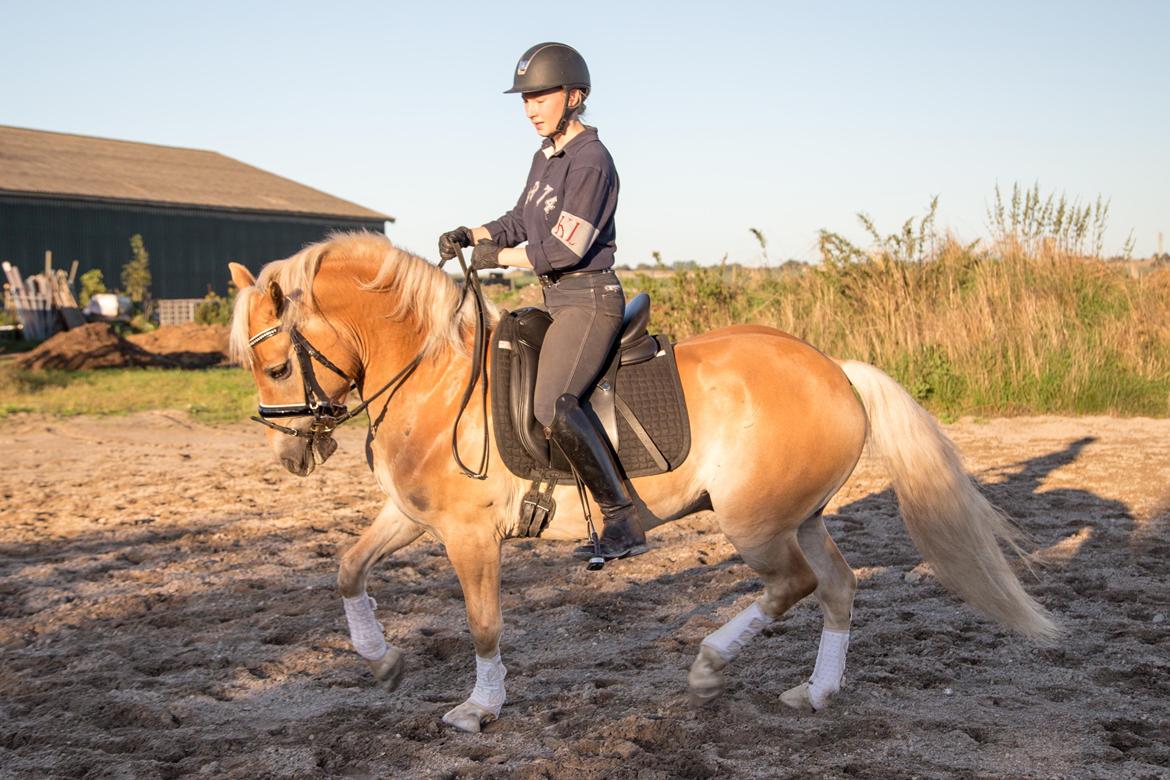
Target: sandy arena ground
[{"x": 167, "y": 608}]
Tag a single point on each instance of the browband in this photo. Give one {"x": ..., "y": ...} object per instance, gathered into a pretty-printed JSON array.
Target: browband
[{"x": 264, "y": 334}]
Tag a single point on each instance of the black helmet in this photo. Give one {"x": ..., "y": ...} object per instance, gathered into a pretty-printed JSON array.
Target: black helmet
[{"x": 548, "y": 66}]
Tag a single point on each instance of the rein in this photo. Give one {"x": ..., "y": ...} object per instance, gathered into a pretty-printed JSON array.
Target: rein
[{"x": 328, "y": 415}]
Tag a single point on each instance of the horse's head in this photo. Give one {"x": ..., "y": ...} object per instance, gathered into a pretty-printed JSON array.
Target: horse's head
[
  {"x": 307, "y": 328},
  {"x": 294, "y": 386}
]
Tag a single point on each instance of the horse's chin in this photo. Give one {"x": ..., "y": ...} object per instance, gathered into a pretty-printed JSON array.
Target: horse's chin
[
  {"x": 302, "y": 461},
  {"x": 300, "y": 467}
]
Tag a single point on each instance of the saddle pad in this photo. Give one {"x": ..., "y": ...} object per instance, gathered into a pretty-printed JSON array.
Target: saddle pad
[{"x": 651, "y": 389}]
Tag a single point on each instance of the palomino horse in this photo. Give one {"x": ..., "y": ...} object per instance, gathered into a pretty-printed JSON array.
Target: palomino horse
[{"x": 777, "y": 427}]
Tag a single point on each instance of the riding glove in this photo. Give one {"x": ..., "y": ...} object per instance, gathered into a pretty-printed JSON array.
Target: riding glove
[
  {"x": 485, "y": 255},
  {"x": 451, "y": 241}
]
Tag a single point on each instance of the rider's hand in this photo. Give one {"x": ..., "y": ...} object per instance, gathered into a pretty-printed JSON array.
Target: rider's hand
[
  {"x": 485, "y": 255},
  {"x": 451, "y": 241}
]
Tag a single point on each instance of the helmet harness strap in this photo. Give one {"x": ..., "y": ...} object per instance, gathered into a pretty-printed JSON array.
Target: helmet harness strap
[{"x": 566, "y": 114}]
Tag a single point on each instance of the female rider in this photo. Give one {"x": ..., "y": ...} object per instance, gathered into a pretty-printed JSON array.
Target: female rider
[{"x": 566, "y": 216}]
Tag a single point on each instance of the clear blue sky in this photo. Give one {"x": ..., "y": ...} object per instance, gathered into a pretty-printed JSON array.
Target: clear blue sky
[{"x": 783, "y": 116}]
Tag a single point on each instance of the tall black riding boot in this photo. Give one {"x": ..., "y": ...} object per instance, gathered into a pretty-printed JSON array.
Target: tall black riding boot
[{"x": 575, "y": 433}]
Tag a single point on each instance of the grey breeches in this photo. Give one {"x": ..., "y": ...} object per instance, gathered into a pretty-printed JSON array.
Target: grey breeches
[{"x": 586, "y": 318}]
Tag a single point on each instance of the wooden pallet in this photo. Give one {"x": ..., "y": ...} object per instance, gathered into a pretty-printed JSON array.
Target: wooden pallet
[{"x": 44, "y": 302}]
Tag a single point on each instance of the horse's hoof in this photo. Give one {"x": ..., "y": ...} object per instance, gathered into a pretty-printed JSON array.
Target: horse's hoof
[
  {"x": 469, "y": 717},
  {"x": 798, "y": 698},
  {"x": 705, "y": 679},
  {"x": 697, "y": 698},
  {"x": 388, "y": 669}
]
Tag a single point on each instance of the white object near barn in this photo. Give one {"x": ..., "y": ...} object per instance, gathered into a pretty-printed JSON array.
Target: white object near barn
[{"x": 108, "y": 305}]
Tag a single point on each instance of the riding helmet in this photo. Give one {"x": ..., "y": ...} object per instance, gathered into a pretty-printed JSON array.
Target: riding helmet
[{"x": 548, "y": 66}]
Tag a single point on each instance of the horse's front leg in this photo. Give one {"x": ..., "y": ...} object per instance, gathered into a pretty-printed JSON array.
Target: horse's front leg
[
  {"x": 390, "y": 531},
  {"x": 475, "y": 554}
]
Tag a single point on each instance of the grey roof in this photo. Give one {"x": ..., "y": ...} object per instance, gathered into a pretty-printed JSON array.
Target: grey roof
[{"x": 43, "y": 163}]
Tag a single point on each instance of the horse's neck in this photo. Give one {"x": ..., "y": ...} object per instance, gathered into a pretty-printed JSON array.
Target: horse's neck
[{"x": 428, "y": 399}]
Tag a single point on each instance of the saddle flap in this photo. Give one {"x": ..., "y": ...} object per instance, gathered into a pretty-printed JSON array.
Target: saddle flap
[{"x": 529, "y": 327}]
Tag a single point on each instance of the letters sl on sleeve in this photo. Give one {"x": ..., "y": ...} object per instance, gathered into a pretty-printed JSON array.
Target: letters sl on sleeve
[{"x": 575, "y": 233}]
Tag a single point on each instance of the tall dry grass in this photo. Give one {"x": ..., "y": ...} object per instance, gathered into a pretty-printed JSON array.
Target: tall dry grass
[{"x": 1025, "y": 324}]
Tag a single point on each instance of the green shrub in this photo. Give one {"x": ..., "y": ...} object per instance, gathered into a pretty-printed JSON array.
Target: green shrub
[
  {"x": 136, "y": 277},
  {"x": 215, "y": 310},
  {"x": 92, "y": 283}
]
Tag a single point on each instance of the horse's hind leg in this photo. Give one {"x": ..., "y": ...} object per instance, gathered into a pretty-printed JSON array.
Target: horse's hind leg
[
  {"x": 836, "y": 585},
  {"x": 390, "y": 531},
  {"x": 787, "y": 579}
]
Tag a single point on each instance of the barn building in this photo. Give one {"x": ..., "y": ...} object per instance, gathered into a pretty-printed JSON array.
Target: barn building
[{"x": 83, "y": 197}]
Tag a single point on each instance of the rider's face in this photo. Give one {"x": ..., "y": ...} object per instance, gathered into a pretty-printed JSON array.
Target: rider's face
[{"x": 544, "y": 109}]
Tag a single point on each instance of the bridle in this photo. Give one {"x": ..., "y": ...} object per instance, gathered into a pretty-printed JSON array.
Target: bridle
[{"x": 328, "y": 414}]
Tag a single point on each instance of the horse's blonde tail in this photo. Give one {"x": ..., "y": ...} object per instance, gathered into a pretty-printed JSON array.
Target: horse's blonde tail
[{"x": 955, "y": 528}]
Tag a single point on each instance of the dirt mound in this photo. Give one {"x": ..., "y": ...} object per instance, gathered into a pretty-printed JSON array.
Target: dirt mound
[
  {"x": 96, "y": 345},
  {"x": 188, "y": 345}
]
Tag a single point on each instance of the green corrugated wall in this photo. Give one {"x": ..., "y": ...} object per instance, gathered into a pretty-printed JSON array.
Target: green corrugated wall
[{"x": 189, "y": 247}]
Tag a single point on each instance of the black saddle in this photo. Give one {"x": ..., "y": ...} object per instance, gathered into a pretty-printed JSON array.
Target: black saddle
[{"x": 637, "y": 399}]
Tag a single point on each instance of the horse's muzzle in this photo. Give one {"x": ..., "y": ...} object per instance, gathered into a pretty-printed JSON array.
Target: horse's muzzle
[
  {"x": 302, "y": 467},
  {"x": 301, "y": 456}
]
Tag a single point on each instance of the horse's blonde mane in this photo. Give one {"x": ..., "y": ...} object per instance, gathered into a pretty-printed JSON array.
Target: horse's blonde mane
[{"x": 424, "y": 293}]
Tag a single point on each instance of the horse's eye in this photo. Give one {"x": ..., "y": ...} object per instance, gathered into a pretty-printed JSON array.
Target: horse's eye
[{"x": 280, "y": 372}]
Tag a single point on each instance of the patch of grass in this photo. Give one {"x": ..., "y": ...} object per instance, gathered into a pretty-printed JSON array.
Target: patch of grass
[
  {"x": 215, "y": 395},
  {"x": 523, "y": 292}
]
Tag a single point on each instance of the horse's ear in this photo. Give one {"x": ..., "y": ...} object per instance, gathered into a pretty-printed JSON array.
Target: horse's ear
[
  {"x": 241, "y": 276},
  {"x": 277, "y": 296}
]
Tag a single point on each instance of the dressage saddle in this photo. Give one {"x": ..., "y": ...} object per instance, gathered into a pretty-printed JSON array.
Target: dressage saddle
[
  {"x": 637, "y": 400},
  {"x": 635, "y": 345}
]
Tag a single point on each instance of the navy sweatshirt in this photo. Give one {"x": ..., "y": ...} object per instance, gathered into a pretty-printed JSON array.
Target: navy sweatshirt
[{"x": 566, "y": 212}]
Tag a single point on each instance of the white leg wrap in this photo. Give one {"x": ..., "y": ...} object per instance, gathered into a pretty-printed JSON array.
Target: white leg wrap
[
  {"x": 364, "y": 629},
  {"x": 489, "y": 683},
  {"x": 830, "y": 667},
  {"x": 735, "y": 633}
]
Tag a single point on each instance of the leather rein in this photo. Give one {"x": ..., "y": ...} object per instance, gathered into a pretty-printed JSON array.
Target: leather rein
[{"x": 328, "y": 414}]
